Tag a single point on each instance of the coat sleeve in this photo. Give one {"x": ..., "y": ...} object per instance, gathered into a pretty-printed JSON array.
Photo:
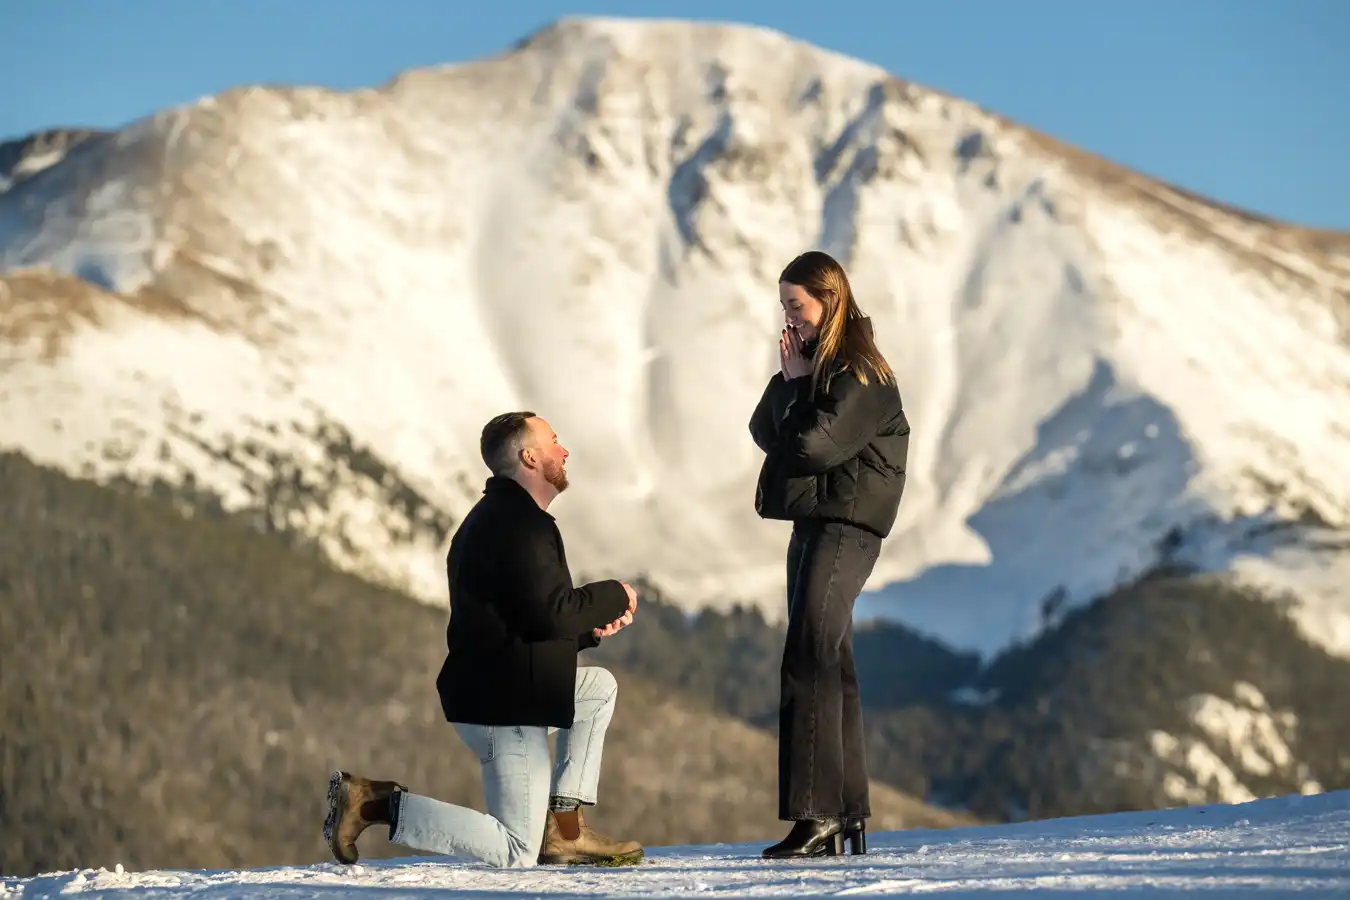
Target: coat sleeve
[
  {"x": 827, "y": 429},
  {"x": 764, "y": 421},
  {"x": 538, "y": 601}
]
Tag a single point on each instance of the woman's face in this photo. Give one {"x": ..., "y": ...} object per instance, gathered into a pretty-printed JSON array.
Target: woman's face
[{"x": 801, "y": 311}]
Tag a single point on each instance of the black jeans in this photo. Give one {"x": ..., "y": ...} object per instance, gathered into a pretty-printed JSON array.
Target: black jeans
[{"x": 822, "y": 763}]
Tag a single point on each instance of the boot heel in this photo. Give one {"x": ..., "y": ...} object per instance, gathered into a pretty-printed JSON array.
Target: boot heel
[
  {"x": 857, "y": 840},
  {"x": 835, "y": 845}
]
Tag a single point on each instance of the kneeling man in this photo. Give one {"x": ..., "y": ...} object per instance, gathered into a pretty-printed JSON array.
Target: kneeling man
[{"x": 510, "y": 679}]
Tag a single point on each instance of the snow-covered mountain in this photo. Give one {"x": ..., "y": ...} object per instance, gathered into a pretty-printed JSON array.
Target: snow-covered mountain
[
  {"x": 1279, "y": 847},
  {"x": 305, "y": 303}
]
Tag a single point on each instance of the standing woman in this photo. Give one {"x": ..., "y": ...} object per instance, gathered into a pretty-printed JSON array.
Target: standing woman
[{"x": 836, "y": 441}]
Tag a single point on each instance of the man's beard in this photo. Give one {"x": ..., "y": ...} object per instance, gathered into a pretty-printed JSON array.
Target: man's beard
[{"x": 556, "y": 475}]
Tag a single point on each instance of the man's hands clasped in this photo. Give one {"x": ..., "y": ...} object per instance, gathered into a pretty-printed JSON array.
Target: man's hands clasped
[{"x": 623, "y": 621}]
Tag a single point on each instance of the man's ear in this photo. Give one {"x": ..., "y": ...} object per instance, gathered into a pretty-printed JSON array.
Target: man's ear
[{"x": 527, "y": 458}]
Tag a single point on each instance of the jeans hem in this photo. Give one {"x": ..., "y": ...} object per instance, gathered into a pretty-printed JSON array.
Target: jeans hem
[
  {"x": 583, "y": 800},
  {"x": 395, "y": 820}
]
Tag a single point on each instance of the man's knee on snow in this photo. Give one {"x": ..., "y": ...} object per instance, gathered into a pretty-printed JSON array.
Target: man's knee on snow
[{"x": 523, "y": 849}]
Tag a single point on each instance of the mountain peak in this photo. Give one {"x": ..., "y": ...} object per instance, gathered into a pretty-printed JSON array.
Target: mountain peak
[{"x": 643, "y": 35}]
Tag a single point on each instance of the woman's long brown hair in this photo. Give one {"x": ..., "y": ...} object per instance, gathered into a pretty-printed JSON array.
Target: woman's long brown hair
[{"x": 844, "y": 342}]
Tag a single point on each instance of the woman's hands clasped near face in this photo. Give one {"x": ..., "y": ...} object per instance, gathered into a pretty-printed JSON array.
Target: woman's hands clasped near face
[
  {"x": 792, "y": 354},
  {"x": 802, "y": 314}
]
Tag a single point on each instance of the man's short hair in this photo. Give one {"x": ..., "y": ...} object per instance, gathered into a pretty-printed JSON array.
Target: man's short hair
[{"x": 502, "y": 439}]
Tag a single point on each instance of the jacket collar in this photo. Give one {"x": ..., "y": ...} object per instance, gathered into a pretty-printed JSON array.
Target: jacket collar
[
  {"x": 809, "y": 348},
  {"x": 510, "y": 490}
]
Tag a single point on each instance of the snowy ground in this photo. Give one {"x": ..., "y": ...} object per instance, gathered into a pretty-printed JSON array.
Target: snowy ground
[{"x": 1266, "y": 848}]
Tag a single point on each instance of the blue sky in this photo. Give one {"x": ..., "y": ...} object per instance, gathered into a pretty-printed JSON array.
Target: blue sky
[{"x": 1243, "y": 100}]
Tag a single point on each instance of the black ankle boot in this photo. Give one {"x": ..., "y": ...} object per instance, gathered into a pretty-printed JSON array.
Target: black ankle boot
[
  {"x": 855, "y": 832},
  {"x": 810, "y": 837}
]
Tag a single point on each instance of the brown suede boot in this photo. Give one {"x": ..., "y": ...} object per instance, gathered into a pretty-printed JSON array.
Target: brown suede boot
[
  {"x": 568, "y": 840},
  {"x": 354, "y": 804}
]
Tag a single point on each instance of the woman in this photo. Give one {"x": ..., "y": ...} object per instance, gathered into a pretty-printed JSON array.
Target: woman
[{"x": 835, "y": 440}]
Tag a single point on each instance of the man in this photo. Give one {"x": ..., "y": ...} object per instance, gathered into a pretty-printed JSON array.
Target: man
[{"x": 510, "y": 679}]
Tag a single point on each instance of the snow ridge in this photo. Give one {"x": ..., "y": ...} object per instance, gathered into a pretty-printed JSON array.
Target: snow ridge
[
  {"x": 590, "y": 225},
  {"x": 27, "y": 156},
  {"x": 1274, "y": 847}
]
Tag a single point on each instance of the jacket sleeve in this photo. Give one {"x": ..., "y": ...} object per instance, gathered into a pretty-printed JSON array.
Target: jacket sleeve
[
  {"x": 764, "y": 421},
  {"x": 538, "y": 601},
  {"x": 827, "y": 429}
]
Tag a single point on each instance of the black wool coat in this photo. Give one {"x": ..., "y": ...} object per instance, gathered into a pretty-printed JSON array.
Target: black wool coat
[{"x": 517, "y": 621}]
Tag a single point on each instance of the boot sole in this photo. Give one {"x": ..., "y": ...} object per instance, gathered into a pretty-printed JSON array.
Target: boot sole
[
  {"x": 626, "y": 859},
  {"x": 337, "y": 799},
  {"x": 841, "y": 844}
]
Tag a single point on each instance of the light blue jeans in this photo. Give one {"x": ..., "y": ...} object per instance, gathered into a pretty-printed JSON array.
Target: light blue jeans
[{"x": 517, "y": 782}]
